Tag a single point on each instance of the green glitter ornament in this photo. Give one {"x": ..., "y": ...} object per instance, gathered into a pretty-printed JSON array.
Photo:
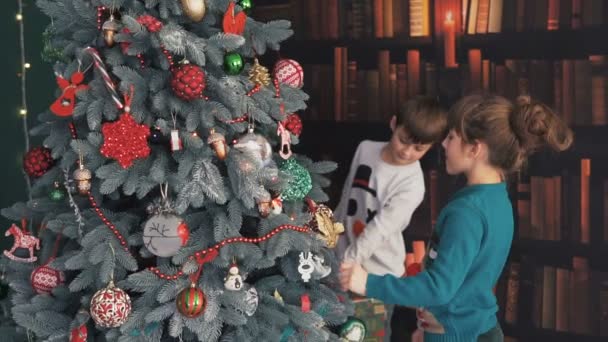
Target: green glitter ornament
[{"x": 299, "y": 183}]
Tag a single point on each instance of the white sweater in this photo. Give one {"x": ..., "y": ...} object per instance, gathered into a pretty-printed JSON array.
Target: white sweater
[{"x": 377, "y": 203}]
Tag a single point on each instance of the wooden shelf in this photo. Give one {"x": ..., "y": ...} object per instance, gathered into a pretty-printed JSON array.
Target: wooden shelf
[
  {"x": 562, "y": 44},
  {"x": 525, "y": 334},
  {"x": 560, "y": 253},
  {"x": 364, "y": 50}
]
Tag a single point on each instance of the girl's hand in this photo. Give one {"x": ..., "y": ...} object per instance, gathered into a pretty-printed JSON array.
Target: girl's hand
[{"x": 353, "y": 277}]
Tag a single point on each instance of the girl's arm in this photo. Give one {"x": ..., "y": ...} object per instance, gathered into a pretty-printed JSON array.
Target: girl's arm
[{"x": 460, "y": 238}]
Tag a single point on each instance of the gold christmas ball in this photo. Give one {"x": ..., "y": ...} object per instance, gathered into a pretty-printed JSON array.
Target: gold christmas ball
[{"x": 194, "y": 9}]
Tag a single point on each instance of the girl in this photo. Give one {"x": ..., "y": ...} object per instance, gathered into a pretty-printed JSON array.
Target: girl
[{"x": 489, "y": 137}]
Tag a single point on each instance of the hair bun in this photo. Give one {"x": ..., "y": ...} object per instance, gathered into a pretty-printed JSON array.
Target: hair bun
[{"x": 535, "y": 125}]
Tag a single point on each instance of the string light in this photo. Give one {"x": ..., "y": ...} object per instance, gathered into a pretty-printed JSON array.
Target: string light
[{"x": 22, "y": 76}]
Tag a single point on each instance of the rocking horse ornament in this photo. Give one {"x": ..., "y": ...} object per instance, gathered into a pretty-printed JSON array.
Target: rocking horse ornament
[{"x": 22, "y": 240}]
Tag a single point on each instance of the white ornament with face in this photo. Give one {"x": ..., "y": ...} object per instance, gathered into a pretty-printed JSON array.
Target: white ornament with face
[
  {"x": 307, "y": 266},
  {"x": 233, "y": 281}
]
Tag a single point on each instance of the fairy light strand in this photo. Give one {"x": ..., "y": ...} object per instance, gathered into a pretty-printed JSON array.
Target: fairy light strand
[{"x": 23, "y": 110}]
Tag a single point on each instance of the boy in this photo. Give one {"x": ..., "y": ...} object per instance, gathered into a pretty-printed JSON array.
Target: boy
[{"x": 384, "y": 187}]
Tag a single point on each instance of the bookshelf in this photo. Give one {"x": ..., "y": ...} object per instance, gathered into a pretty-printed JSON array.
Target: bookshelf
[
  {"x": 523, "y": 49},
  {"x": 322, "y": 51},
  {"x": 534, "y": 334},
  {"x": 542, "y": 44}
]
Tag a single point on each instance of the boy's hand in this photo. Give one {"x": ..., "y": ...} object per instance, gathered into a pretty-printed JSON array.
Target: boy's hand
[{"x": 353, "y": 277}]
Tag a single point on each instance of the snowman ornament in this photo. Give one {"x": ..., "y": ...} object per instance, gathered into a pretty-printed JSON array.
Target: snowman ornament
[{"x": 233, "y": 280}]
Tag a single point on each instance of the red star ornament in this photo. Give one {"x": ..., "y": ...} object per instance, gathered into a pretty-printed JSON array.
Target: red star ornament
[{"x": 125, "y": 140}]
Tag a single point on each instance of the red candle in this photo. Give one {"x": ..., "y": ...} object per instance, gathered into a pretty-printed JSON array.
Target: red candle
[{"x": 449, "y": 41}]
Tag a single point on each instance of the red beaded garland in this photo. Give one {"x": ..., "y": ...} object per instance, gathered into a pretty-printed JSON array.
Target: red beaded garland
[
  {"x": 227, "y": 242},
  {"x": 111, "y": 226},
  {"x": 100, "y": 10},
  {"x": 255, "y": 89}
]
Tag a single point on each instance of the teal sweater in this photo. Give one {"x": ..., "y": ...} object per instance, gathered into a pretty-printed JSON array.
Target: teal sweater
[{"x": 466, "y": 256}]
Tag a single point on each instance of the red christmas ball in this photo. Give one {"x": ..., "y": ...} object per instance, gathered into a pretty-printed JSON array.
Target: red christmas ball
[
  {"x": 37, "y": 161},
  {"x": 293, "y": 123},
  {"x": 289, "y": 72},
  {"x": 191, "y": 302},
  {"x": 188, "y": 81},
  {"x": 45, "y": 278},
  {"x": 110, "y": 306}
]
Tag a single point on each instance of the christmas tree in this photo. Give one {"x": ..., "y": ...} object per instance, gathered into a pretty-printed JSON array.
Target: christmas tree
[{"x": 167, "y": 203}]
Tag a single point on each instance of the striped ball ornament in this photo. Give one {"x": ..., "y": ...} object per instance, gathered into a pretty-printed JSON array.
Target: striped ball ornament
[{"x": 191, "y": 302}]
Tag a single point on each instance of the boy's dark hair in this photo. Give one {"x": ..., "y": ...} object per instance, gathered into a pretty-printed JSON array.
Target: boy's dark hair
[{"x": 424, "y": 120}]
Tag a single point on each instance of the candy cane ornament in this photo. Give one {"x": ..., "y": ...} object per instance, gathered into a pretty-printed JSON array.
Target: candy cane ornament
[{"x": 100, "y": 65}]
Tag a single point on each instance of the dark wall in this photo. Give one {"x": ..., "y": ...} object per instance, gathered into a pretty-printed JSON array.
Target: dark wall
[{"x": 40, "y": 89}]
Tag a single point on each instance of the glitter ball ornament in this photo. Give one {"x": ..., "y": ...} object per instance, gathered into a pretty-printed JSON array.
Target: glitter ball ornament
[
  {"x": 45, "y": 278},
  {"x": 233, "y": 63},
  {"x": 125, "y": 140},
  {"x": 165, "y": 234},
  {"x": 293, "y": 123},
  {"x": 37, "y": 161},
  {"x": 289, "y": 72},
  {"x": 191, "y": 302},
  {"x": 299, "y": 183},
  {"x": 188, "y": 81},
  {"x": 110, "y": 307}
]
